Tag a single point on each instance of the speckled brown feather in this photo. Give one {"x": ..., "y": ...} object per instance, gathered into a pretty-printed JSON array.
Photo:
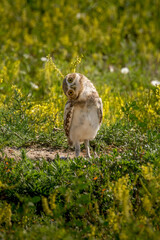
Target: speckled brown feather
[
  {"x": 68, "y": 119},
  {"x": 100, "y": 110}
]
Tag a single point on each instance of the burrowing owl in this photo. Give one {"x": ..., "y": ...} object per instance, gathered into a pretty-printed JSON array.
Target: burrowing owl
[{"x": 83, "y": 111}]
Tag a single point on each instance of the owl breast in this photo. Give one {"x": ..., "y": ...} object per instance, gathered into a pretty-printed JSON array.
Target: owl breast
[{"x": 85, "y": 123}]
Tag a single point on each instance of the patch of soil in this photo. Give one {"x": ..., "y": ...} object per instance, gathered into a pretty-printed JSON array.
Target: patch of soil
[{"x": 36, "y": 153}]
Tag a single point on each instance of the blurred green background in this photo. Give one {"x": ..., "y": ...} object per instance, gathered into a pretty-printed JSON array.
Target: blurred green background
[
  {"x": 119, "y": 30},
  {"x": 123, "y": 32}
]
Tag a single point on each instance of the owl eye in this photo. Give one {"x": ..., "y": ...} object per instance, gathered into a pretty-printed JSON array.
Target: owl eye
[
  {"x": 70, "y": 92},
  {"x": 70, "y": 80}
]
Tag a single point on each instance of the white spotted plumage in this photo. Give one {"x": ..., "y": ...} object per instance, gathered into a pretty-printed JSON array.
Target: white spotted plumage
[{"x": 83, "y": 111}]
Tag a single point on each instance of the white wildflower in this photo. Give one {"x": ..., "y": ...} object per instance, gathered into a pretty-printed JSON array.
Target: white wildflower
[
  {"x": 44, "y": 59},
  {"x": 125, "y": 70},
  {"x": 155, "y": 82},
  {"x": 80, "y": 15},
  {"x": 33, "y": 85},
  {"x": 26, "y": 56},
  {"x": 111, "y": 68}
]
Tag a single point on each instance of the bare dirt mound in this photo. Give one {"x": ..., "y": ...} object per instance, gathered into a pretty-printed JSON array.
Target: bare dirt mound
[{"x": 36, "y": 153}]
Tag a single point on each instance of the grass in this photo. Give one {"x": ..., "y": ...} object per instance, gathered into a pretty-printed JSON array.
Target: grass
[{"x": 116, "y": 194}]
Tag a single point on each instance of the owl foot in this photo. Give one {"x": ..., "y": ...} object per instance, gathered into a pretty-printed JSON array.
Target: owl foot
[
  {"x": 77, "y": 149},
  {"x": 86, "y": 143}
]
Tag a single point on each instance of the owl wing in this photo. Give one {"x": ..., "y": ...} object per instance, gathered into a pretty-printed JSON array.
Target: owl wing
[
  {"x": 68, "y": 114},
  {"x": 100, "y": 109}
]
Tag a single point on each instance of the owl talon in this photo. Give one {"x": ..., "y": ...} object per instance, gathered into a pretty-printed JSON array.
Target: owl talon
[
  {"x": 77, "y": 149},
  {"x": 86, "y": 143}
]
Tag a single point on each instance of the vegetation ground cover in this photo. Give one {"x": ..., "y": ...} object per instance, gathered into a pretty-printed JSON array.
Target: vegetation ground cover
[{"x": 115, "y": 194}]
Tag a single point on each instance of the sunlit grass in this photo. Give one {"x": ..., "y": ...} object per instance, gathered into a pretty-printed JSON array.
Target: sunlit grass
[{"x": 115, "y": 195}]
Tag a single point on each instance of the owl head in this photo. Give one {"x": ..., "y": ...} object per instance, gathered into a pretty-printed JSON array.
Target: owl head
[{"x": 72, "y": 85}]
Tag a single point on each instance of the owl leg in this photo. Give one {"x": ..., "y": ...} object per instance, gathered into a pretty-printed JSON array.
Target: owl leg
[
  {"x": 86, "y": 143},
  {"x": 77, "y": 149}
]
